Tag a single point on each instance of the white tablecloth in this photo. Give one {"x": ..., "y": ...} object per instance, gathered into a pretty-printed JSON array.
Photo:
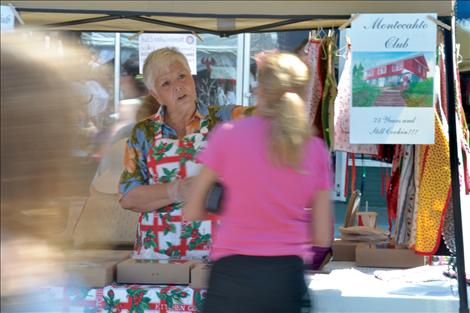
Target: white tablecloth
[{"x": 347, "y": 288}]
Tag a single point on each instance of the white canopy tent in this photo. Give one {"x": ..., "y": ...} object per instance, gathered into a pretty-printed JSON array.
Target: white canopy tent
[
  {"x": 227, "y": 18},
  {"x": 216, "y": 17}
]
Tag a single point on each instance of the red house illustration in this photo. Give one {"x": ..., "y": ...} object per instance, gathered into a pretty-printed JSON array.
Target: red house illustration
[{"x": 398, "y": 73}]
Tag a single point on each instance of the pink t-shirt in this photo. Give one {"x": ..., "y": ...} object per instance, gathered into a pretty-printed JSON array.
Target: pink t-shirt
[{"x": 264, "y": 206}]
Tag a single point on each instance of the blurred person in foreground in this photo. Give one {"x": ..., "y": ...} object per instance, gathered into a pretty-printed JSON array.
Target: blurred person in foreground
[
  {"x": 39, "y": 112},
  {"x": 266, "y": 233},
  {"x": 159, "y": 160}
]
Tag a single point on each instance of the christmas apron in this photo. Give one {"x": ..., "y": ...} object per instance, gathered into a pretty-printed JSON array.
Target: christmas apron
[{"x": 162, "y": 234}]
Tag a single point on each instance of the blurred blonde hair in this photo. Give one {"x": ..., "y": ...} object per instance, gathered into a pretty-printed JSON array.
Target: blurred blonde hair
[
  {"x": 39, "y": 122},
  {"x": 159, "y": 59},
  {"x": 39, "y": 126},
  {"x": 283, "y": 78}
]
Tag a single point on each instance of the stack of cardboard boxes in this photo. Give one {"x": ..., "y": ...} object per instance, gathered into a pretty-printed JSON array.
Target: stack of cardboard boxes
[
  {"x": 370, "y": 254},
  {"x": 362, "y": 242},
  {"x": 99, "y": 268}
]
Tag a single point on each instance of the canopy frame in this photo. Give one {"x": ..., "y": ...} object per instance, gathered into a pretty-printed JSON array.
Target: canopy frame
[
  {"x": 144, "y": 17},
  {"x": 286, "y": 19}
]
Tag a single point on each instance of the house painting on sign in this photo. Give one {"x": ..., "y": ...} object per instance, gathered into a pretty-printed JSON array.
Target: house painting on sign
[
  {"x": 392, "y": 79},
  {"x": 399, "y": 73}
]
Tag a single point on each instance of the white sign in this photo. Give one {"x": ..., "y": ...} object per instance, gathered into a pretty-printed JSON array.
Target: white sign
[
  {"x": 185, "y": 43},
  {"x": 7, "y": 18},
  {"x": 393, "y": 66}
]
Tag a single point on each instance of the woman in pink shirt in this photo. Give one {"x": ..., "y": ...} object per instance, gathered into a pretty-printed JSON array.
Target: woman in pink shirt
[{"x": 276, "y": 205}]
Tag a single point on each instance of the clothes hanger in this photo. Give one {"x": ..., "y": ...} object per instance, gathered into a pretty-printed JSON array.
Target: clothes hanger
[
  {"x": 331, "y": 32},
  {"x": 312, "y": 35},
  {"x": 345, "y": 48},
  {"x": 321, "y": 32}
]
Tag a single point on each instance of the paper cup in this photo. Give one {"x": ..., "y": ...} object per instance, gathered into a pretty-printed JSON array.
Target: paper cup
[{"x": 368, "y": 219}]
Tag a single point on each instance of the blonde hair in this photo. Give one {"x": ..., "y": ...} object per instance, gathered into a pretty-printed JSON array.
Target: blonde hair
[
  {"x": 40, "y": 177},
  {"x": 283, "y": 78},
  {"x": 39, "y": 123},
  {"x": 159, "y": 59}
]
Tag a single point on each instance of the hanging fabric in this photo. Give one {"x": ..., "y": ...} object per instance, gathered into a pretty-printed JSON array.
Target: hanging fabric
[
  {"x": 443, "y": 80},
  {"x": 434, "y": 173},
  {"x": 387, "y": 180},
  {"x": 315, "y": 88},
  {"x": 463, "y": 135},
  {"x": 434, "y": 192},
  {"x": 463, "y": 154},
  {"x": 440, "y": 78},
  {"x": 341, "y": 113},
  {"x": 448, "y": 230},
  {"x": 405, "y": 199},
  {"x": 416, "y": 176},
  {"x": 385, "y": 153},
  {"x": 392, "y": 191},
  {"x": 329, "y": 91},
  {"x": 439, "y": 88}
]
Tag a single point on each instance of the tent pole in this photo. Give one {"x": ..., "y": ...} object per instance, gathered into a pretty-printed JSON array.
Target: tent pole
[
  {"x": 449, "y": 41},
  {"x": 84, "y": 21},
  {"x": 171, "y": 24}
]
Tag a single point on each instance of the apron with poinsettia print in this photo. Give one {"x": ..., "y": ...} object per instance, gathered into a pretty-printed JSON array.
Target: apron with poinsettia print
[{"x": 162, "y": 234}]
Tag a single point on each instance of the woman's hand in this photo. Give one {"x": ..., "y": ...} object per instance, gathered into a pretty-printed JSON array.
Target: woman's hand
[
  {"x": 148, "y": 198},
  {"x": 185, "y": 188}
]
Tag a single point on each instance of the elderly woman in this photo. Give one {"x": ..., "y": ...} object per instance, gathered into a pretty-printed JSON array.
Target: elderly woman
[{"x": 159, "y": 161}]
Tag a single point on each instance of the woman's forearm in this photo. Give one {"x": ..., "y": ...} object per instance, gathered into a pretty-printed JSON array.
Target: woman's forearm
[
  {"x": 322, "y": 220},
  {"x": 146, "y": 198}
]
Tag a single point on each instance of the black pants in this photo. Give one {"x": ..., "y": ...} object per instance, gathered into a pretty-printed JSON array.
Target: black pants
[{"x": 244, "y": 284}]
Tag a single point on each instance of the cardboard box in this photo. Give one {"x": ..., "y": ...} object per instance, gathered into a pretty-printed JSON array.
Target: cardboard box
[
  {"x": 135, "y": 271},
  {"x": 344, "y": 250},
  {"x": 97, "y": 255},
  {"x": 385, "y": 255},
  {"x": 92, "y": 268},
  {"x": 200, "y": 275}
]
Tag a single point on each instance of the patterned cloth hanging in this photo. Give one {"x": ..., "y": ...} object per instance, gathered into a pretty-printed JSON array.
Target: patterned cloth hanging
[
  {"x": 434, "y": 192},
  {"x": 315, "y": 88},
  {"x": 392, "y": 192},
  {"x": 417, "y": 166},
  {"x": 406, "y": 196},
  {"x": 329, "y": 92},
  {"x": 463, "y": 154},
  {"x": 341, "y": 114},
  {"x": 463, "y": 136},
  {"x": 406, "y": 221},
  {"x": 448, "y": 230}
]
